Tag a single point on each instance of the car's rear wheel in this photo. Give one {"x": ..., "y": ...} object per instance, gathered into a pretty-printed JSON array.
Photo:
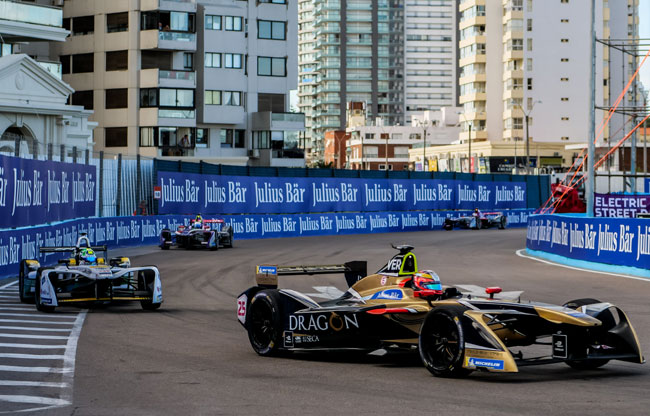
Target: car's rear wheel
[
  {"x": 230, "y": 238},
  {"x": 502, "y": 223},
  {"x": 22, "y": 275},
  {"x": 442, "y": 348},
  {"x": 264, "y": 322},
  {"x": 607, "y": 320},
  {"x": 37, "y": 297}
]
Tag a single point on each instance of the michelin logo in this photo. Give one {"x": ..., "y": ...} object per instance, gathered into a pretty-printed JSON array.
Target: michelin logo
[
  {"x": 271, "y": 270},
  {"x": 484, "y": 363}
]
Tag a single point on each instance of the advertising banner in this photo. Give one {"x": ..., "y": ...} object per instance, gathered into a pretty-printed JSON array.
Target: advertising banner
[
  {"x": 617, "y": 241},
  {"x": 145, "y": 230},
  {"x": 184, "y": 193},
  {"x": 34, "y": 191},
  {"x": 620, "y": 206}
]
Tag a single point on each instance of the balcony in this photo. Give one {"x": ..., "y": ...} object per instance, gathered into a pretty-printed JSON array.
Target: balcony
[
  {"x": 153, "y": 78},
  {"x": 179, "y": 117},
  {"x": 167, "y": 40},
  {"x": 168, "y": 5},
  {"x": 266, "y": 120},
  {"x": 22, "y": 22}
]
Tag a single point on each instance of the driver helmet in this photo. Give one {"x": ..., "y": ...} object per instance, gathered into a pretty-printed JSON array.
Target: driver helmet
[
  {"x": 198, "y": 221},
  {"x": 88, "y": 256},
  {"x": 427, "y": 280}
]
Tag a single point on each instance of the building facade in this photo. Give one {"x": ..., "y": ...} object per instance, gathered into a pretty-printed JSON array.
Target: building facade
[
  {"x": 35, "y": 119},
  {"x": 184, "y": 79},
  {"x": 397, "y": 57},
  {"x": 529, "y": 60}
]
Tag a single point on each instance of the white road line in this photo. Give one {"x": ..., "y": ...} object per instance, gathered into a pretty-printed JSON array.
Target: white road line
[
  {"x": 39, "y": 315},
  {"x": 27, "y": 328},
  {"x": 32, "y": 356},
  {"x": 27, "y": 321},
  {"x": 9, "y": 284},
  {"x": 8, "y": 296},
  {"x": 33, "y": 400},
  {"x": 70, "y": 355},
  {"x": 3, "y": 303},
  {"x": 25, "y": 369},
  {"x": 33, "y": 346},
  {"x": 5, "y": 335},
  {"x": 521, "y": 252},
  {"x": 16, "y": 308},
  {"x": 20, "y": 383}
]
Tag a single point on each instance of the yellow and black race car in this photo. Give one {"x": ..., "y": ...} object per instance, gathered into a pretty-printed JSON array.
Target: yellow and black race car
[{"x": 400, "y": 307}]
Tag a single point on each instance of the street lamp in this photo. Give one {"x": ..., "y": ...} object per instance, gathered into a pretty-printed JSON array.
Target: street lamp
[
  {"x": 526, "y": 117},
  {"x": 424, "y": 124},
  {"x": 469, "y": 141}
]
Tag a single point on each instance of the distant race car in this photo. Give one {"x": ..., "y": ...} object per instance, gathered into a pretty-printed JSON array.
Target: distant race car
[
  {"x": 477, "y": 221},
  {"x": 86, "y": 278},
  {"x": 200, "y": 233},
  {"x": 401, "y": 308}
]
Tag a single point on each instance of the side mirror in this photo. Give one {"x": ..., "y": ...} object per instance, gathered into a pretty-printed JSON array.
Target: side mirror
[{"x": 492, "y": 290}]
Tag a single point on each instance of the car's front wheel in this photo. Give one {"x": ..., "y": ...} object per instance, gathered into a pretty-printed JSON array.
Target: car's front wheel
[
  {"x": 37, "y": 297},
  {"x": 264, "y": 322},
  {"x": 442, "y": 348}
]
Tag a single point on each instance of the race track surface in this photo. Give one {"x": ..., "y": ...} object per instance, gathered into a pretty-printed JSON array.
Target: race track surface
[{"x": 192, "y": 356}]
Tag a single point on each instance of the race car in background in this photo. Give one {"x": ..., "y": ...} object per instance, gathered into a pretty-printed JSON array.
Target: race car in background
[
  {"x": 477, "y": 221},
  {"x": 402, "y": 308},
  {"x": 200, "y": 233},
  {"x": 85, "y": 278}
]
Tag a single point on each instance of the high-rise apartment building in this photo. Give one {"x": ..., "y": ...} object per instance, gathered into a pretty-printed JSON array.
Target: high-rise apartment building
[
  {"x": 532, "y": 57},
  {"x": 191, "y": 79},
  {"x": 397, "y": 57}
]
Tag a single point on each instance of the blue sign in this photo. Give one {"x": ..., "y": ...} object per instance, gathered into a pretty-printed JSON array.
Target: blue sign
[
  {"x": 271, "y": 270},
  {"x": 185, "y": 193},
  {"x": 617, "y": 241},
  {"x": 19, "y": 244},
  {"x": 485, "y": 363},
  {"x": 33, "y": 191}
]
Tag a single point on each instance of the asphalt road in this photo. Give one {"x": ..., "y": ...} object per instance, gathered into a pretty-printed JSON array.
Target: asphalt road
[{"x": 192, "y": 356}]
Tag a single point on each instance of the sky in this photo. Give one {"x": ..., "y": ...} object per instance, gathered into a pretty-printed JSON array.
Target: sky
[{"x": 644, "y": 33}]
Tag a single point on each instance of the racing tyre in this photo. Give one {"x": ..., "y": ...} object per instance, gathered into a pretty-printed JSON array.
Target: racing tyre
[
  {"x": 166, "y": 235},
  {"x": 22, "y": 275},
  {"x": 37, "y": 297},
  {"x": 442, "y": 345},
  {"x": 606, "y": 318},
  {"x": 264, "y": 322},
  {"x": 502, "y": 223},
  {"x": 230, "y": 238},
  {"x": 478, "y": 224},
  {"x": 147, "y": 305}
]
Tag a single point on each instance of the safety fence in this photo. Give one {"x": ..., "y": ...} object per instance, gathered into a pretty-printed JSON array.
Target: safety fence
[
  {"x": 118, "y": 232},
  {"x": 614, "y": 244}
]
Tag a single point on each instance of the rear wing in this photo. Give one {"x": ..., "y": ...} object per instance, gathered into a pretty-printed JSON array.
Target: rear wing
[
  {"x": 70, "y": 249},
  {"x": 266, "y": 275}
]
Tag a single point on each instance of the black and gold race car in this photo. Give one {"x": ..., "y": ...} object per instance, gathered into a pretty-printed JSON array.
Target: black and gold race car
[{"x": 402, "y": 308}]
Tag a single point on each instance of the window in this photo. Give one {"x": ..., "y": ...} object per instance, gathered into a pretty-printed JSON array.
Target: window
[
  {"x": 226, "y": 137},
  {"x": 83, "y": 25},
  {"x": 273, "y": 1},
  {"x": 564, "y": 1},
  {"x": 117, "y": 22},
  {"x": 232, "y": 98},
  {"x": 564, "y": 138},
  {"x": 202, "y": 138},
  {"x": 529, "y": 44},
  {"x": 267, "y": 29},
  {"x": 383, "y": 167},
  {"x": 84, "y": 98},
  {"x": 117, "y": 61},
  {"x": 232, "y": 60},
  {"x": 176, "y": 98},
  {"x": 212, "y": 97},
  {"x": 271, "y": 102},
  {"x": 564, "y": 40},
  {"x": 261, "y": 139},
  {"x": 66, "y": 23},
  {"x": 148, "y": 97},
  {"x": 565, "y": 118},
  {"x": 564, "y": 20},
  {"x": 213, "y": 60},
  {"x": 273, "y": 67},
  {"x": 65, "y": 64},
  {"x": 84, "y": 62},
  {"x": 212, "y": 22},
  {"x": 564, "y": 60},
  {"x": 529, "y": 64},
  {"x": 188, "y": 61},
  {"x": 564, "y": 99},
  {"x": 233, "y": 23},
  {"x": 529, "y": 25},
  {"x": 233, "y": 138},
  {"x": 564, "y": 79},
  {"x": 530, "y": 83},
  {"x": 240, "y": 139},
  {"x": 148, "y": 137},
  {"x": 116, "y": 137},
  {"x": 117, "y": 98}
]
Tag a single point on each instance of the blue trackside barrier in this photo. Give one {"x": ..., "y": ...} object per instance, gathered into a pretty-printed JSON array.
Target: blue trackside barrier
[
  {"x": 117, "y": 232},
  {"x": 620, "y": 244}
]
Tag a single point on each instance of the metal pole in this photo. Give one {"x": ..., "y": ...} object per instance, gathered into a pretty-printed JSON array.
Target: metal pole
[
  {"x": 425, "y": 166},
  {"x": 118, "y": 196},
  {"x": 527, "y": 146},
  {"x": 50, "y": 151},
  {"x": 138, "y": 183},
  {"x": 62, "y": 153},
  {"x": 362, "y": 167},
  {"x": 101, "y": 183},
  {"x": 386, "y": 150},
  {"x": 469, "y": 155},
  {"x": 589, "y": 194},
  {"x": 516, "y": 170}
]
